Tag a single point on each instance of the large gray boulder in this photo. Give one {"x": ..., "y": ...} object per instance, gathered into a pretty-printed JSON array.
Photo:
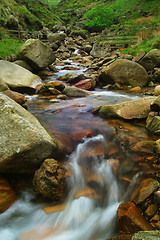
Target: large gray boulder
[
  {"x": 124, "y": 72},
  {"x": 37, "y": 54},
  {"x": 134, "y": 109},
  {"x": 146, "y": 235},
  {"x": 24, "y": 143},
  {"x": 15, "y": 76},
  {"x": 151, "y": 60}
]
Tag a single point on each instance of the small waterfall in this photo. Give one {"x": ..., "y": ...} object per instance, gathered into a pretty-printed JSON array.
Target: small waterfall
[
  {"x": 89, "y": 217},
  {"x": 90, "y": 208}
]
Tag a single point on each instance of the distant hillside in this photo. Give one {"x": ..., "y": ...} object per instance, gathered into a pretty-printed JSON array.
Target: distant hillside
[
  {"x": 96, "y": 15},
  {"x": 26, "y": 14}
]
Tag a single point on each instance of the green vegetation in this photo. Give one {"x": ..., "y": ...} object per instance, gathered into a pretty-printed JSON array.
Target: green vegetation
[
  {"x": 8, "y": 47},
  {"x": 99, "y": 17},
  {"x": 144, "y": 45}
]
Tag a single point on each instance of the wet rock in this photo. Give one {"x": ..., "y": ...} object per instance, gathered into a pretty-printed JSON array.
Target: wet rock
[
  {"x": 72, "y": 77},
  {"x": 143, "y": 147},
  {"x": 15, "y": 76},
  {"x": 7, "y": 195},
  {"x": 146, "y": 235},
  {"x": 155, "y": 106},
  {"x": 45, "y": 88},
  {"x": 54, "y": 91},
  {"x": 124, "y": 72},
  {"x": 153, "y": 125},
  {"x": 131, "y": 220},
  {"x": 135, "y": 89},
  {"x": 147, "y": 187},
  {"x": 17, "y": 97},
  {"x": 151, "y": 60},
  {"x": 75, "y": 92},
  {"x": 37, "y": 54},
  {"x": 24, "y": 143},
  {"x": 134, "y": 109},
  {"x": 122, "y": 237},
  {"x": 49, "y": 180},
  {"x": 62, "y": 97},
  {"x": 86, "y": 84},
  {"x": 151, "y": 210}
]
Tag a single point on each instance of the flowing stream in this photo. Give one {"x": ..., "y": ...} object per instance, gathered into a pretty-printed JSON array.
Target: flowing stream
[{"x": 99, "y": 163}]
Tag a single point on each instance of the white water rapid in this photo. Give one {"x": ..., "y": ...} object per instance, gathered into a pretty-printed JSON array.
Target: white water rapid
[{"x": 84, "y": 217}]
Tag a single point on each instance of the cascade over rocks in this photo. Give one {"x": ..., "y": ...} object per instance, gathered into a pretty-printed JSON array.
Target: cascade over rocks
[
  {"x": 151, "y": 60},
  {"x": 134, "y": 109},
  {"x": 24, "y": 143},
  {"x": 37, "y": 54},
  {"x": 17, "y": 77},
  {"x": 124, "y": 72},
  {"x": 49, "y": 180}
]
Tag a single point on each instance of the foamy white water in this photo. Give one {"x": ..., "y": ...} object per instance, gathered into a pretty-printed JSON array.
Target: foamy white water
[{"x": 84, "y": 217}]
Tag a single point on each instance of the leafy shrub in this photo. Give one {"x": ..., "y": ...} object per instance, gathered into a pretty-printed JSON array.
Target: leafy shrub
[{"x": 99, "y": 17}]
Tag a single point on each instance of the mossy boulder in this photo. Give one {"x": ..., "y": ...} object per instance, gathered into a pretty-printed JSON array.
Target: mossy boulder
[
  {"x": 124, "y": 72},
  {"x": 37, "y": 54},
  {"x": 151, "y": 60}
]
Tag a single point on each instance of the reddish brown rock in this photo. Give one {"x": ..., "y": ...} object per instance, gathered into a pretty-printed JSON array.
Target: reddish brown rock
[
  {"x": 84, "y": 84},
  {"x": 7, "y": 195},
  {"x": 17, "y": 97},
  {"x": 151, "y": 210},
  {"x": 131, "y": 220},
  {"x": 122, "y": 237},
  {"x": 147, "y": 187}
]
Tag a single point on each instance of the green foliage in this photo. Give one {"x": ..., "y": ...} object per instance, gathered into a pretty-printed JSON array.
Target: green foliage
[
  {"x": 8, "y": 47},
  {"x": 99, "y": 17},
  {"x": 145, "y": 45}
]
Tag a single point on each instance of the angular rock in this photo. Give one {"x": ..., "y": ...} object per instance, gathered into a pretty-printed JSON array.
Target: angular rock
[
  {"x": 23, "y": 64},
  {"x": 124, "y": 72},
  {"x": 37, "y": 54},
  {"x": 131, "y": 220},
  {"x": 146, "y": 235},
  {"x": 72, "y": 77},
  {"x": 7, "y": 195},
  {"x": 147, "y": 187},
  {"x": 17, "y": 97},
  {"x": 151, "y": 60},
  {"x": 98, "y": 51},
  {"x": 24, "y": 143},
  {"x": 15, "y": 76},
  {"x": 134, "y": 109},
  {"x": 86, "y": 84},
  {"x": 45, "y": 88},
  {"x": 49, "y": 180},
  {"x": 153, "y": 125},
  {"x": 75, "y": 92}
]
